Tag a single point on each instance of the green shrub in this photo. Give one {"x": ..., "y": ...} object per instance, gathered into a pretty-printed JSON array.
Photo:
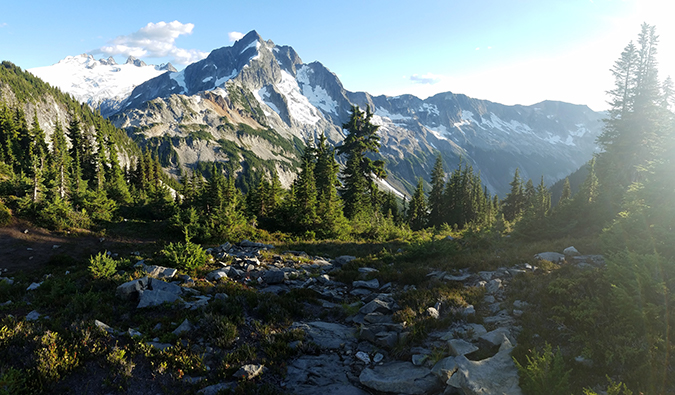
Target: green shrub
[
  {"x": 544, "y": 373},
  {"x": 612, "y": 389},
  {"x": 102, "y": 265},
  {"x": 54, "y": 357},
  {"x": 188, "y": 256},
  {"x": 5, "y": 215},
  {"x": 14, "y": 382}
]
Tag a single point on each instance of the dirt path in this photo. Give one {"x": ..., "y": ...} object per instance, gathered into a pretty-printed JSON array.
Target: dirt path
[{"x": 25, "y": 247}]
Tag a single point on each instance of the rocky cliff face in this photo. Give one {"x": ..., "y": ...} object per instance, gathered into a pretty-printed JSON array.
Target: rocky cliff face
[{"x": 270, "y": 89}]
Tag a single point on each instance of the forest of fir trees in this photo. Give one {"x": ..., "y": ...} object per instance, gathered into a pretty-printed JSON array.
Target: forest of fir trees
[{"x": 75, "y": 180}]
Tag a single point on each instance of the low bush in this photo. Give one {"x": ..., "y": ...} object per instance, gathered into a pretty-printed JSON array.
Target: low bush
[
  {"x": 188, "y": 256},
  {"x": 102, "y": 265},
  {"x": 544, "y": 373}
]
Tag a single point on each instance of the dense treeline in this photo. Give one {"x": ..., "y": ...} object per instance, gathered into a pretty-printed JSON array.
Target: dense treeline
[{"x": 74, "y": 179}]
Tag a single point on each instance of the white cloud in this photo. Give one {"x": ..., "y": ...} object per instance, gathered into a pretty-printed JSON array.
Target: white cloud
[
  {"x": 3, "y": 24},
  {"x": 234, "y": 36},
  {"x": 427, "y": 79},
  {"x": 155, "y": 40}
]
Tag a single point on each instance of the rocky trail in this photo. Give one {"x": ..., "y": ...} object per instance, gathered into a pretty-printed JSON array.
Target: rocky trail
[{"x": 358, "y": 353}]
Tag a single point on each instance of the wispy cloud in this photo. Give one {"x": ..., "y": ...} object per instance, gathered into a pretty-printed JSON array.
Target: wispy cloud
[
  {"x": 428, "y": 78},
  {"x": 3, "y": 24},
  {"x": 234, "y": 36},
  {"x": 155, "y": 40}
]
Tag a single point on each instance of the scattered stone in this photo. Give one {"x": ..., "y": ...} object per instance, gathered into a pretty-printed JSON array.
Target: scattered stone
[
  {"x": 376, "y": 306},
  {"x": 372, "y": 284},
  {"x": 274, "y": 276},
  {"x": 433, "y": 313},
  {"x": 520, "y": 305},
  {"x": 419, "y": 359},
  {"x": 134, "y": 333},
  {"x": 342, "y": 260},
  {"x": 34, "y": 286},
  {"x": 221, "y": 296},
  {"x": 217, "y": 274},
  {"x": 131, "y": 289},
  {"x": 461, "y": 347},
  {"x": 444, "y": 368},
  {"x": 33, "y": 316},
  {"x": 550, "y": 256},
  {"x": 216, "y": 389},
  {"x": 400, "y": 378},
  {"x": 469, "y": 310},
  {"x": 378, "y": 358},
  {"x": 158, "y": 345},
  {"x": 249, "y": 371},
  {"x": 105, "y": 327},
  {"x": 462, "y": 277},
  {"x": 367, "y": 270},
  {"x": 571, "y": 251},
  {"x": 9, "y": 281},
  {"x": 184, "y": 327},
  {"x": 363, "y": 357},
  {"x": 493, "y": 286},
  {"x": 160, "y": 271}
]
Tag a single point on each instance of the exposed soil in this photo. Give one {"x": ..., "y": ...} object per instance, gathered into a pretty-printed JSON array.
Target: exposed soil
[{"x": 26, "y": 247}]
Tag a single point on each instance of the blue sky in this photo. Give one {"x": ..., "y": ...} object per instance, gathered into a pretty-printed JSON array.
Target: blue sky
[{"x": 508, "y": 51}]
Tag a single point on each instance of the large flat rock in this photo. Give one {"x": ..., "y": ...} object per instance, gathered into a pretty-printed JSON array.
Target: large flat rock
[
  {"x": 400, "y": 378},
  {"x": 320, "y": 374},
  {"x": 497, "y": 375},
  {"x": 326, "y": 334}
]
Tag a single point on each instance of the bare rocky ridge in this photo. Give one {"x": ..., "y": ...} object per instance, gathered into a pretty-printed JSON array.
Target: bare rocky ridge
[{"x": 549, "y": 139}]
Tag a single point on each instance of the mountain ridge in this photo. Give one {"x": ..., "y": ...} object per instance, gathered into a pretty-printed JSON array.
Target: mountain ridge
[{"x": 303, "y": 100}]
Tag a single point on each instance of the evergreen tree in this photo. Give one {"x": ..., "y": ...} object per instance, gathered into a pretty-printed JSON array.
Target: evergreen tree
[
  {"x": 566, "y": 192},
  {"x": 514, "y": 203},
  {"x": 115, "y": 185},
  {"x": 60, "y": 162},
  {"x": 358, "y": 176},
  {"x": 417, "y": 211},
  {"x": 329, "y": 206},
  {"x": 304, "y": 194},
  {"x": 436, "y": 200}
]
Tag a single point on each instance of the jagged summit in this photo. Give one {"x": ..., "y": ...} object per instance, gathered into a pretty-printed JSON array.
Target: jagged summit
[{"x": 135, "y": 62}]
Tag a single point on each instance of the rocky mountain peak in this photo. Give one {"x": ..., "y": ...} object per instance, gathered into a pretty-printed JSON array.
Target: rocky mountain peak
[
  {"x": 135, "y": 62},
  {"x": 166, "y": 66},
  {"x": 108, "y": 62}
]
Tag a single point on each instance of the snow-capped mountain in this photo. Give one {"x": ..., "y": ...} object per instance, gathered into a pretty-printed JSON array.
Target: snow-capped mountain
[
  {"x": 268, "y": 87},
  {"x": 100, "y": 83}
]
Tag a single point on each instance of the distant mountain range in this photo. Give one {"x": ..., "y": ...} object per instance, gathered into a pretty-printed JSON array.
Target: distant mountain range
[
  {"x": 256, "y": 102},
  {"x": 101, "y": 83}
]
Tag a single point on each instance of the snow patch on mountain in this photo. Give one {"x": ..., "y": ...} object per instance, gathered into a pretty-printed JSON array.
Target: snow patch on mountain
[
  {"x": 440, "y": 131},
  {"x": 262, "y": 95},
  {"x": 179, "y": 77},
  {"x": 393, "y": 117},
  {"x": 299, "y": 106},
  {"x": 507, "y": 127},
  {"x": 316, "y": 95},
  {"x": 429, "y": 108},
  {"x": 94, "y": 81}
]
